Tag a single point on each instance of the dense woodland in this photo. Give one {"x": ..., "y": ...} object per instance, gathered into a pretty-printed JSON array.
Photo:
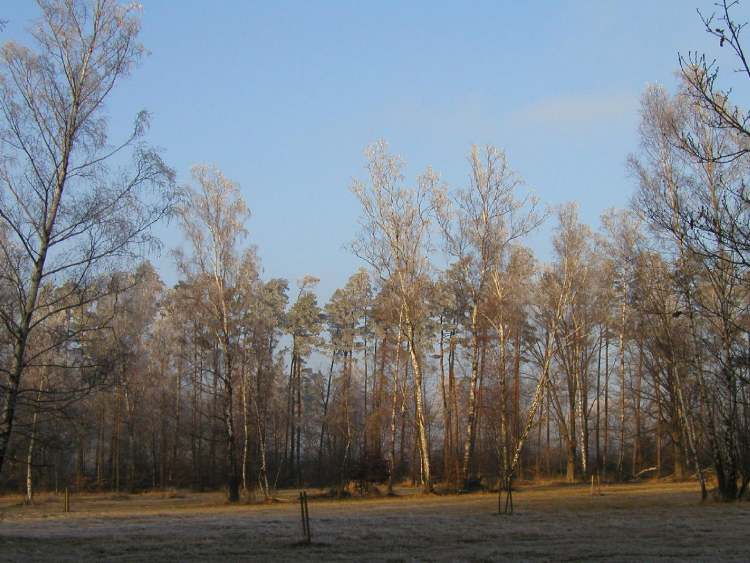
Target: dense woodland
[{"x": 454, "y": 358}]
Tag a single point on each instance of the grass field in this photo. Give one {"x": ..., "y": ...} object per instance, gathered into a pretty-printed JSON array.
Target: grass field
[{"x": 627, "y": 522}]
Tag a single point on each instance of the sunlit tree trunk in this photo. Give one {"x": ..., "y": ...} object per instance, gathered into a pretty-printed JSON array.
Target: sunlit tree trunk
[
  {"x": 621, "y": 455},
  {"x": 424, "y": 447},
  {"x": 324, "y": 423},
  {"x": 244, "y": 391},
  {"x": 32, "y": 440},
  {"x": 472, "y": 404},
  {"x": 394, "y": 406},
  {"x": 447, "y": 419}
]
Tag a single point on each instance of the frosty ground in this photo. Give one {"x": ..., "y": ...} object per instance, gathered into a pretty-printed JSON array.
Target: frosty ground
[{"x": 627, "y": 522}]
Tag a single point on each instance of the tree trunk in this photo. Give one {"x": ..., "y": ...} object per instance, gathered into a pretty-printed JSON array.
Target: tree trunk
[
  {"x": 570, "y": 467},
  {"x": 324, "y": 422},
  {"x": 32, "y": 440},
  {"x": 517, "y": 396},
  {"x": 347, "y": 417},
  {"x": 678, "y": 455},
  {"x": 245, "y": 423},
  {"x": 471, "y": 410},
  {"x": 100, "y": 448},
  {"x": 503, "y": 405},
  {"x": 30, "y": 458},
  {"x": 447, "y": 447},
  {"x": 29, "y": 305},
  {"x": 424, "y": 447},
  {"x": 289, "y": 430},
  {"x": 454, "y": 403},
  {"x": 658, "y": 428},
  {"x": 598, "y": 402},
  {"x": 366, "y": 374},
  {"x": 637, "y": 454},
  {"x": 233, "y": 481},
  {"x": 214, "y": 417},
  {"x": 606, "y": 405},
  {"x": 130, "y": 412},
  {"x": 177, "y": 414},
  {"x": 394, "y": 405},
  {"x": 163, "y": 447},
  {"x": 298, "y": 422},
  {"x": 584, "y": 433},
  {"x": 10, "y": 397},
  {"x": 197, "y": 418},
  {"x": 621, "y": 456},
  {"x": 115, "y": 449}
]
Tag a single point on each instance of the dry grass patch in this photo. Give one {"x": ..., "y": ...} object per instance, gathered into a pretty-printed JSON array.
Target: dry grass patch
[{"x": 647, "y": 521}]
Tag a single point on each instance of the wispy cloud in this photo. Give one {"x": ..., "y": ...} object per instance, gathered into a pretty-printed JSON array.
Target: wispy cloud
[{"x": 587, "y": 109}]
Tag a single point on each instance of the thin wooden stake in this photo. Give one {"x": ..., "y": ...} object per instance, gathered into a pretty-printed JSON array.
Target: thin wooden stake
[
  {"x": 307, "y": 519},
  {"x": 302, "y": 512},
  {"x": 596, "y": 485},
  {"x": 509, "y": 497},
  {"x": 66, "y": 500},
  {"x": 305, "y": 513}
]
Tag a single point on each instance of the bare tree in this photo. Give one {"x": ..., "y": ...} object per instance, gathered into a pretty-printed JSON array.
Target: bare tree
[
  {"x": 694, "y": 201},
  {"x": 213, "y": 219},
  {"x": 66, "y": 211},
  {"x": 621, "y": 249},
  {"x": 268, "y": 317},
  {"x": 701, "y": 75},
  {"x": 303, "y": 324},
  {"x": 573, "y": 272},
  {"x": 395, "y": 229},
  {"x": 478, "y": 226}
]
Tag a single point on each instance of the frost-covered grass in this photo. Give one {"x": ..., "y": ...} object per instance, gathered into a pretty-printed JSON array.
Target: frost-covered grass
[{"x": 628, "y": 522}]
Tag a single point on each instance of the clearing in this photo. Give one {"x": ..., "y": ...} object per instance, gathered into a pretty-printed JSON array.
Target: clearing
[{"x": 627, "y": 522}]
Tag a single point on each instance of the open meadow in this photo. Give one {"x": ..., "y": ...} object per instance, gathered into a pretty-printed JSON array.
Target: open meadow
[{"x": 650, "y": 521}]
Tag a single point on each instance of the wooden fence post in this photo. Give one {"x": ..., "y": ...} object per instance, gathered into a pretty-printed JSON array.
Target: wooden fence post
[
  {"x": 596, "y": 485},
  {"x": 307, "y": 536}
]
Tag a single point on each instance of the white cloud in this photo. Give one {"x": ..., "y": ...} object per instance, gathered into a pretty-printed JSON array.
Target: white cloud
[{"x": 581, "y": 110}]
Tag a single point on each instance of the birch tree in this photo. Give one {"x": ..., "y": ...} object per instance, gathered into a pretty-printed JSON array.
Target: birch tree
[
  {"x": 621, "y": 248},
  {"x": 67, "y": 211},
  {"x": 213, "y": 220},
  {"x": 394, "y": 237},
  {"x": 695, "y": 200},
  {"x": 478, "y": 225},
  {"x": 573, "y": 273}
]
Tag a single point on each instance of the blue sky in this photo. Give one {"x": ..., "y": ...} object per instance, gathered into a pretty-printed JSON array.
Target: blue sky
[{"x": 284, "y": 96}]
